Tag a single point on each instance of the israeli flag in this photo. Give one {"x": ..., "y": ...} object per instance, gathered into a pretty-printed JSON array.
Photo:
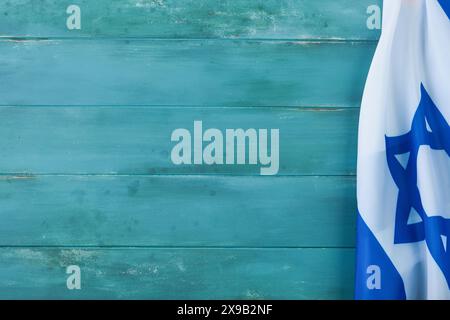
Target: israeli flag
[{"x": 403, "y": 176}]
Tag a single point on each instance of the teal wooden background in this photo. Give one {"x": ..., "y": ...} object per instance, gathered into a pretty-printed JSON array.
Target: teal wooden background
[{"x": 86, "y": 177}]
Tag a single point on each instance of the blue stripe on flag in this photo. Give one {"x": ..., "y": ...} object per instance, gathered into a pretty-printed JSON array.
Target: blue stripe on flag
[
  {"x": 371, "y": 256},
  {"x": 445, "y": 4}
]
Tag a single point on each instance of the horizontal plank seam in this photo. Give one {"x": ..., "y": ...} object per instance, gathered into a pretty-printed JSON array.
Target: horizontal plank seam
[
  {"x": 315, "y": 108},
  {"x": 22, "y": 175},
  {"x": 169, "y": 247},
  {"x": 139, "y": 38}
]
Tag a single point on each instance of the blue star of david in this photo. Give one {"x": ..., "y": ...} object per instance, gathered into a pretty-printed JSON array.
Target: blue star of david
[{"x": 429, "y": 128}]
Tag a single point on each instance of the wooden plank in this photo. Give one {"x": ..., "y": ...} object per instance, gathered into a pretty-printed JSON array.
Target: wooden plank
[
  {"x": 285, "y": 19},
  {"x": 137, "y": 140},
  {"x": 178, "y": 211},
  {"x": 149, "y": 273},
  {"x": 183, "y": 72}
]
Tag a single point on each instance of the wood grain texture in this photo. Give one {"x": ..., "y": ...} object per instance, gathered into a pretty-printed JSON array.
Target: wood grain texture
[
  {"x": 85, "y": 172},
  {"x": 279, "y": 19},
  {"x": 212, "y": 72},
  {"x": 178, "y": 211},
  {"x": 146, "y": 273},
  {"x": 137, "y": 140}
]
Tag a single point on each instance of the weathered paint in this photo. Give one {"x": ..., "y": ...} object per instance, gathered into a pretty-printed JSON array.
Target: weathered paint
[
  {"x": 136, "y": 140},
  {"x": 85, "y": 171},
  {"x": 171, "y": 273},
  {"x": 183, "y": 72},
  {"x": 277, "y": 19},
  {"x": 177, "y": 211}
]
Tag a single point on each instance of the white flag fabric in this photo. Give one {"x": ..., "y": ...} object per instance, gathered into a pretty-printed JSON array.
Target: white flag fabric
[{"x": 403, "y": 175}]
